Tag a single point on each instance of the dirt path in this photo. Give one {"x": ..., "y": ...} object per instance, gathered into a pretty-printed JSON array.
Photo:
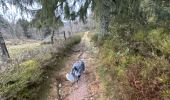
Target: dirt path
[{"x": 88, "y": 86}]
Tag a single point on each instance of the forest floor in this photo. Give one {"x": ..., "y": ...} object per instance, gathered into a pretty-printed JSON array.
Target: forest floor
[{"x": 88, "y": 86}]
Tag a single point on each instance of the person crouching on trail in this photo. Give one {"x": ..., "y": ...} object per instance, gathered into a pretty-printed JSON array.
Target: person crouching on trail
[{"x": 77, "y": 69}]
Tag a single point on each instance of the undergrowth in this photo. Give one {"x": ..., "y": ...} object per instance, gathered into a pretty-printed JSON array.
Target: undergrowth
[
  {"x": 30, "y": 79},
  {"x": 135, "y": 64}
]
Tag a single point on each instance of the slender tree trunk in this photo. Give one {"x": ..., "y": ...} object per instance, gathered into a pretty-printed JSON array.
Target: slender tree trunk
[
  {"x": 52, "y": 37},
  {"x": 5, "y": 54},
  {"x": 65, "y": 35}
]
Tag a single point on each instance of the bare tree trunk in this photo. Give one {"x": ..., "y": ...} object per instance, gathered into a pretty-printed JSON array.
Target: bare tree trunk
[
  {"x": 5, "y": 54},
  {"x": 65, "y": 35},
  {"x": 52, "y": 37}
]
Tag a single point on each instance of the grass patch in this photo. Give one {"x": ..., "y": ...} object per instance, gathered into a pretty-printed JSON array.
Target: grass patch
[
  {"x": 16, "y": 49},
  {"x": 18, "y": 78},
  {"x": 160, "y": 38}
]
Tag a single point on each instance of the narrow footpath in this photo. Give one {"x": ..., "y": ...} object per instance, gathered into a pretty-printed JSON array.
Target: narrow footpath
[{"x": 88, "y": 86}]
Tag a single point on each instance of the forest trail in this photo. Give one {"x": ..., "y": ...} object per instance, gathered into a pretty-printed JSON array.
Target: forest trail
[{"x": 88, "y": 86}]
